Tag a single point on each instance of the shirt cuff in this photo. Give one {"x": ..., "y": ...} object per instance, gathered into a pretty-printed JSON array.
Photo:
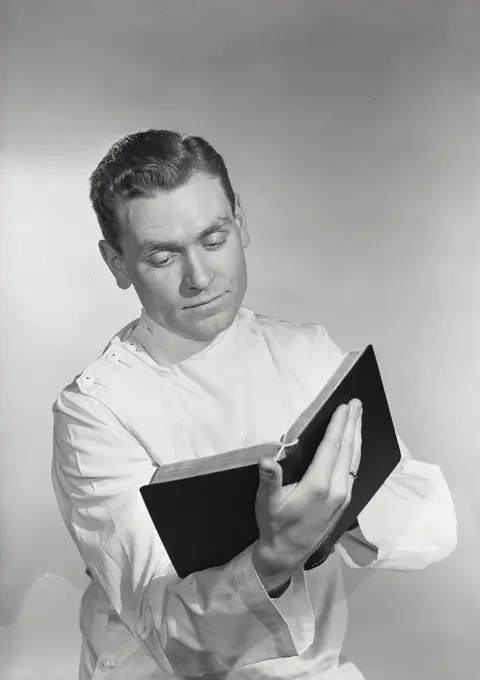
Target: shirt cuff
[
  {"x": 356, "y": 551},
  {"x": 289, "y": 618}
]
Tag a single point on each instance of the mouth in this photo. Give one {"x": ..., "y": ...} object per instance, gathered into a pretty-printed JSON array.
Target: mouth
[{"x": 205, "y": 303}]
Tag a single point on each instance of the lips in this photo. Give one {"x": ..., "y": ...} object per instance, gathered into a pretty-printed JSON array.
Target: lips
[{"x": 204, "y": 302}]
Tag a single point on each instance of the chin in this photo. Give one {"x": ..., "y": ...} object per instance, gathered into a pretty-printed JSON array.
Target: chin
[{"x": 208, "y": 329}]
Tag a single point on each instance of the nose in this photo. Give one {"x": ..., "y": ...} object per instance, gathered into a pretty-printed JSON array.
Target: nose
[{"x": 198, "y": 274}]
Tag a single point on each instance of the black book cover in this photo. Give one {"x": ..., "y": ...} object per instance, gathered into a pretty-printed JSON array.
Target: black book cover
[{"x": 206, "y": 520}]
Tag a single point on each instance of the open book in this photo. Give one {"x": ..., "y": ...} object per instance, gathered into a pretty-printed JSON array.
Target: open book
[{"x": 204, "y": 509}]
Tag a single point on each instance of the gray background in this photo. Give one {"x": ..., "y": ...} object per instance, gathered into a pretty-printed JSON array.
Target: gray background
[{"x": 351, "y": 130}]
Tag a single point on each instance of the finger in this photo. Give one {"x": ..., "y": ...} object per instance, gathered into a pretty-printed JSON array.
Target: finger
[
  {"x": 320, "y": 469},
  {"x": 341, "y": 478},
  {"x": 357, "y": 452},
  {"x": 270, "y": 475}
]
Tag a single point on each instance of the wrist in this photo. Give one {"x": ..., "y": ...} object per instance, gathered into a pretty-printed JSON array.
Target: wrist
[
  {"x": 278, "y": 592},
  {"x": 272, "y": 575},
  {"x": 317, "y": 558}
]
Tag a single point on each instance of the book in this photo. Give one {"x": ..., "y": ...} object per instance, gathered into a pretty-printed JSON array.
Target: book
[{"x": 204, "y": 509}]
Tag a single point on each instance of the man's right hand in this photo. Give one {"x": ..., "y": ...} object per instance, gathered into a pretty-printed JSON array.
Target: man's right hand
[{"x": 295, "y": 519}]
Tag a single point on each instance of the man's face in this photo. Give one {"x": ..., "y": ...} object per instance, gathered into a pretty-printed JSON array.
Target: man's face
[{"x": 183, "y": 251}]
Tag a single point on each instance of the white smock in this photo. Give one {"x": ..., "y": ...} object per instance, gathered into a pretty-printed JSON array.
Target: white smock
[{"x": 136, "y": 407}]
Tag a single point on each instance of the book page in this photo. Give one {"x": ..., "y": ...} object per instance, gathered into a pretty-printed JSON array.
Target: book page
[{"x": 220, "y": 461}]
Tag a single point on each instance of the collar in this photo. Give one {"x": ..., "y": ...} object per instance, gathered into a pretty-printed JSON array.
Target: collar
[{"x": 160, "y": 343}]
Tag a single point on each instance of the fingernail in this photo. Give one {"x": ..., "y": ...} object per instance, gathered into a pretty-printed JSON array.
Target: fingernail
[{"x": 355, "y": 405}]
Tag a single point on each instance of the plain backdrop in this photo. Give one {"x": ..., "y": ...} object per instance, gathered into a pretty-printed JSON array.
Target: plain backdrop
[{"x": 351, "y": 130}]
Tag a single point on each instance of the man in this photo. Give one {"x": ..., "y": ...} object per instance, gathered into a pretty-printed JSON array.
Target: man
[{"x": 199, "y": 374}]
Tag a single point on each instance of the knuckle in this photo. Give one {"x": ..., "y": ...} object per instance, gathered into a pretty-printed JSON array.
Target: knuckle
[
  {"x": 337, "y": 496},
  {"x": 316, "y": 487},
  {"x": 320, "y": 492}
]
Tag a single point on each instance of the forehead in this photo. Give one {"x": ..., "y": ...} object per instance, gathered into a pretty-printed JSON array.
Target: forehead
[{"x": 177, "y": 214}]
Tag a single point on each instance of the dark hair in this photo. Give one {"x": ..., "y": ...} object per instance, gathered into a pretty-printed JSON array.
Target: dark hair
[{"x": 144, "y": 163}]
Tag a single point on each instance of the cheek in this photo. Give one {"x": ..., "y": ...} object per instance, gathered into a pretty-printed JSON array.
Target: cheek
[
  {"x": 233, "y": 265},
  {"x": 159, "y": 285}
]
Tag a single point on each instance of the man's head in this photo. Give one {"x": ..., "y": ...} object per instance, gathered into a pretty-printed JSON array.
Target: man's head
[{"x": 174, "y": 229}]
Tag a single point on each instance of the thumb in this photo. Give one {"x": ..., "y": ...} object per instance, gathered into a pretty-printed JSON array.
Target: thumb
[{"x": 270, "y": 474}]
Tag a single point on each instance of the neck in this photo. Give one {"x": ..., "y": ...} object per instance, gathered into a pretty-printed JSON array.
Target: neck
[{"x": 176, "y": 347}]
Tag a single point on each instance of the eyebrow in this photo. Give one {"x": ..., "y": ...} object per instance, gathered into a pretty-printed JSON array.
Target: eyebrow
[{"x": 148, "y": 247}]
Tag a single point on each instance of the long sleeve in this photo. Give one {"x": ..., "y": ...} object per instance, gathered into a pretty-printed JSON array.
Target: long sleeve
[
  {"x": 409, "y": 524},
  {"x": 211, "y": 621}
]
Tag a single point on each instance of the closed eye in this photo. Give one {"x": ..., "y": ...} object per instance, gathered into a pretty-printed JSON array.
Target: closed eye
[
  {"x": 213, "y": 245},
  {"x": 161, "y": 259},
  {"x": 212, "y": 241}
]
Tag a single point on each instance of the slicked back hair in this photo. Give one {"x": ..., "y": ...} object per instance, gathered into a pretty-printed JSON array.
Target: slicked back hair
[{"x": 141, "y": 164}]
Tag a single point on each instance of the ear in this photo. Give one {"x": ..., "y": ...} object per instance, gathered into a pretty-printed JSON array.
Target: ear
[
  {"x": 114, "y": 262},
  {"x": 241, "y": 221}
]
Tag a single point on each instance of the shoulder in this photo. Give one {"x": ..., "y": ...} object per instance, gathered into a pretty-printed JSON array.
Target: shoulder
[
  {"x": 304, "y": 351},
  {"x": 302, "y": 345},
  {"x": 287, "y": 331},
  {"x": 101, "y": 375},
  {"x": 303, "y": 348},
  {"x": 289, "y": 335}
]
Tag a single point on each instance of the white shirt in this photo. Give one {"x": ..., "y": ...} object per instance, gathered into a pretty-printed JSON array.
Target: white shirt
[{"x": 136, "y": 408}]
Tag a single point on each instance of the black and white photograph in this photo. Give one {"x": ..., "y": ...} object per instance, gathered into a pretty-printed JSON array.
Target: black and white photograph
[{"x": 240, "y": 339}]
